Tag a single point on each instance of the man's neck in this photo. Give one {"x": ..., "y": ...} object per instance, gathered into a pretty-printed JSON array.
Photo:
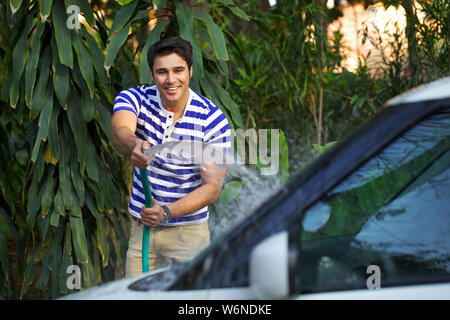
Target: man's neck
[{"x": 177, "y": 108}]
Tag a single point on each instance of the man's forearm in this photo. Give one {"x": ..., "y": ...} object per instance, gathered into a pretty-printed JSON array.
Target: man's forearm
[
  {"x": 124, "y": 140},
  {"x": 197, "y": 199}
]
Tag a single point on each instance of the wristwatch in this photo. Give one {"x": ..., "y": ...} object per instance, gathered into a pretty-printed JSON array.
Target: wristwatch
[{"x": 167, "y": 214}]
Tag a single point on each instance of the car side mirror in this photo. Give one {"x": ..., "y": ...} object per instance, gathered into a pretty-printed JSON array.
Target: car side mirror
[{"x": 269, "y": 267}]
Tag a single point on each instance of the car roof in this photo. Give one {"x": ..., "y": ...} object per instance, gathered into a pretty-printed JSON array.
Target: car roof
[
  {"x": 435, "y": 90},
  {"x": 285, "y": 208}
]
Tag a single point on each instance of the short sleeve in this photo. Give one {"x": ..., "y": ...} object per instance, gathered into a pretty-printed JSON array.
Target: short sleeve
[
  {"x": 217, "y": 129},
  {"x": 129, "y": 100}
]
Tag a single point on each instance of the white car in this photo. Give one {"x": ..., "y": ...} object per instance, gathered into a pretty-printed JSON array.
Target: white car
[{"x": 370, "y": 219}]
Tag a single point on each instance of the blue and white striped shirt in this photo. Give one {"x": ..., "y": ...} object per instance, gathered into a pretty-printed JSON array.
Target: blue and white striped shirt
[{"x": 171, "y": 180}]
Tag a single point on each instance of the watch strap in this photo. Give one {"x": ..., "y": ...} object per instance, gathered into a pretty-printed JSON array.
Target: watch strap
[{"x": 167, "y": 214}]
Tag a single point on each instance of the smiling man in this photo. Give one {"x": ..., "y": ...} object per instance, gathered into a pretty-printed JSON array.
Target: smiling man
[{"x": 151, "y": 115}]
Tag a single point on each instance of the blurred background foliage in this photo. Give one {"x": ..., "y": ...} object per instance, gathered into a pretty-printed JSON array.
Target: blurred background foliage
[{"x": 63, "y": 187}]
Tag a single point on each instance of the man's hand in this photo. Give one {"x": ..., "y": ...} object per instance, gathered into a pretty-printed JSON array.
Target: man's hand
[
  {"x": 152, "y": 216},
  {"x": 138, "y": 158},
  {"x": 123, "y": 127}
]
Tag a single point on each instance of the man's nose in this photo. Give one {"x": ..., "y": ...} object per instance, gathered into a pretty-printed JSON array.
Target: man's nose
[{"x": 170, "y": 77}]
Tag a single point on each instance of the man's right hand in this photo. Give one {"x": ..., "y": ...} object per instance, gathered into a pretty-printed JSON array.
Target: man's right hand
[{"x": 138, "y": 158}]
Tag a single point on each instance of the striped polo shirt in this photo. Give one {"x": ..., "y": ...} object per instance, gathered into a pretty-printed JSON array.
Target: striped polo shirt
[{"x": 171, "y": 180}]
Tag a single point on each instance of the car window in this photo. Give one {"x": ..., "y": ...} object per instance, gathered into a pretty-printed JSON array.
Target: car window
[{"x": 393, "y": 213}]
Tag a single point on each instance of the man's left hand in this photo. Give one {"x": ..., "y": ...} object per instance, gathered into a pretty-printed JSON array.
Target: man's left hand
[{"x": 152, "y": 216}]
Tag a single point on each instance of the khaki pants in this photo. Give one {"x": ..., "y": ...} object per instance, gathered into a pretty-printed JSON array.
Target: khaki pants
[{"x": 179, "y": 243}]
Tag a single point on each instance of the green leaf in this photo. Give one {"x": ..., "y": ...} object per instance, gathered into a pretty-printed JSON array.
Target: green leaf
[
  {"x": 78, "y": 126},
  {"x": 87, "y": 103},
  {"x": 55, "y": 254},
  {"x": 231, "y": 190},
  {"x": 223, "y": 68},
  {"x": 186, "y": 24},
  {"x": 84, "y": 62},
  {"x": 29, "y": 271},
  {"x": 216, "y": 35},
  {"x": 122, "y": 17},
  {"x": 15, "y": 5},
  {"x": 6, "y": 88},
  {"x": 325, "y": 148},
  {"x": 227, "y": 101},
  {"x": 65, "y": 185},
  {"x": 58, "y": 209},
  {"x": 48, "y": 195},
  {"x": 239, "y": 13},
  {"x": 159, "y": 3},
  {"x": 226, "y": 2},
  {"x": 78, "y": 182},
  {"x": 76, "y": 210},
  {"x": 58, "y": 204},
  {"x": 284, "y": 156},
  {"x": 20, "y": 54},
  {"x": 43, "y": 222},
  {"x": 123, "y": 2},
  {"x": 32, "y": 63},
  {"x": 43, "y": 278},
  {"x": 97, "y": 59},
  {"x": 44, "y": 122},
  {"x": 317, "y": 147},
  {"x": 107, "y": 195},
  {"x": 114, "y": 45},
  {"x": 63, "y": 34},
  {"x": 141, "y": 14},
  {"x": 102, "y": 241},
  {"x": 94, "y": 187},
  {"x": 40, "y": 91},
  {"x": 86, "y": 9},
  {"x": 53, "y": 139},
  {"x": 60, "y": 77},
  {"x": 54, "y": 218},
  {"x": 45, "y": 6},
  {"x": 153, "y": 36},
  {"x": 79, "y": 239},
  {"x": 92, "y": 161},
  {"x": 103, "y": 117}
]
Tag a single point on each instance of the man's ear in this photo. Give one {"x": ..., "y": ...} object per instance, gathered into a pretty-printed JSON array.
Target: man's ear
[
  {"x": 151, "y": 75},
  {"x": 190, "y": 72}
]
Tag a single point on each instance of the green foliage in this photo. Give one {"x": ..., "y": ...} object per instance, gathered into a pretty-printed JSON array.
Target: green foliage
[
  {"x": 63, "y": 186},
  {"x": 325, "y": 148},
  {"x": 289, "y": 74}
]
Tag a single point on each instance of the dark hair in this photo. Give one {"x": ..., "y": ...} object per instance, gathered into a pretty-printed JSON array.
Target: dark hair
[{"x": 170, "y": 45}]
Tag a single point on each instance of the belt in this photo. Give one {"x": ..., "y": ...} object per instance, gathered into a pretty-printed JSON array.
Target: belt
[
  {"x": 136, "y": 219},
  {"x": 155, "y": 227}
]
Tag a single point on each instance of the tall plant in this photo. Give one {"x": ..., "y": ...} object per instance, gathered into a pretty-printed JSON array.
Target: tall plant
[{"x": 63, "y": 186}]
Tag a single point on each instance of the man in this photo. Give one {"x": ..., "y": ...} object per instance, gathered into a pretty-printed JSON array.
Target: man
[{"x": 150, "y": 115}]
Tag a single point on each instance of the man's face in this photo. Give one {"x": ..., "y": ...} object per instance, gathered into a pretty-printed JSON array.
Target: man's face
[{"x": 171, "y": 76}]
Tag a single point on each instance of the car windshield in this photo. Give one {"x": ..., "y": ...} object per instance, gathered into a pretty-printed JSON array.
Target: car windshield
[{"x": 392, "y": 213}]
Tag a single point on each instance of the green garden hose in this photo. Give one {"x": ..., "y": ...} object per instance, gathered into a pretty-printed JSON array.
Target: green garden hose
[{"x": 146, "y": 232}]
